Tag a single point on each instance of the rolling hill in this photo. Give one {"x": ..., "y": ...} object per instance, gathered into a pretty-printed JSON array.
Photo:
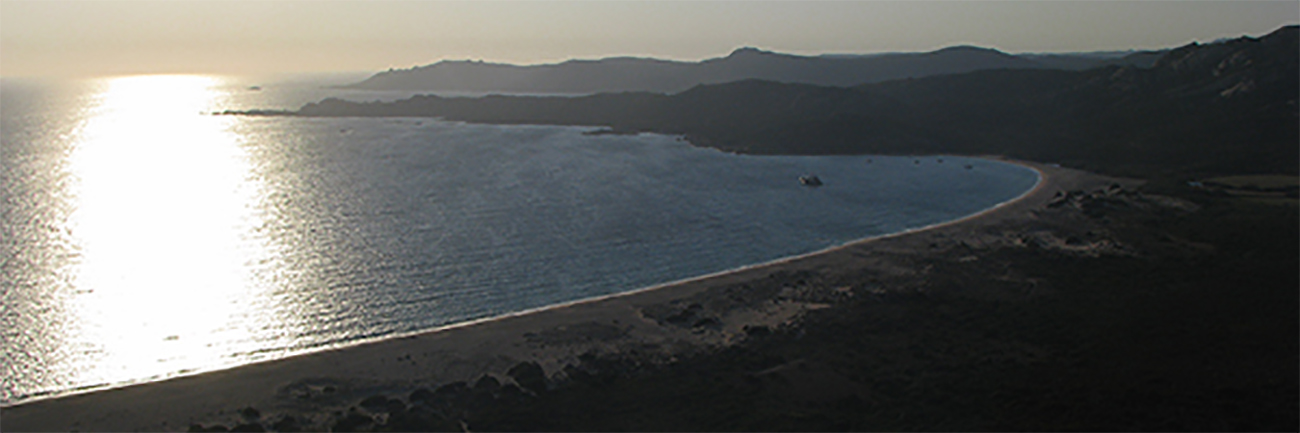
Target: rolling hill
[{"x": 622, "y": 74}]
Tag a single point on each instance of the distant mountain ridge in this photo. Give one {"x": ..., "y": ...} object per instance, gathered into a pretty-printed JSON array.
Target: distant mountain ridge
[
  {"x": 628, "y": 74},
  {"x": 1227, "y": 107}
]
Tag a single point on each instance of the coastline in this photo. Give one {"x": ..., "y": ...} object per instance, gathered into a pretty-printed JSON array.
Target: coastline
[{"x": 553, "y": 336}]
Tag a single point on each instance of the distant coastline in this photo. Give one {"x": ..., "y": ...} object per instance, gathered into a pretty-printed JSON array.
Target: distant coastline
[{"x": 1178, "y": 117}]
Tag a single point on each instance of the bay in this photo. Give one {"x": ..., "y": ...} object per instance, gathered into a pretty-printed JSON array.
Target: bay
[{"x": 144, "y": 238}]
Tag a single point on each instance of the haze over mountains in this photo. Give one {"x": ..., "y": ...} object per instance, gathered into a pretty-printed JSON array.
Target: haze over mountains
[
  {"x": 623, "y": 74},
  {"x": 1224, "y": 107}
]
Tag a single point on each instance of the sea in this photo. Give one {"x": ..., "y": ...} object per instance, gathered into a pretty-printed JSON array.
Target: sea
[{"x": 145, "y": 238}]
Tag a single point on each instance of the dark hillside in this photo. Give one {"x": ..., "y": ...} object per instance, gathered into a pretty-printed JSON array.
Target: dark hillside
[{"x": 1223, "y": 107}]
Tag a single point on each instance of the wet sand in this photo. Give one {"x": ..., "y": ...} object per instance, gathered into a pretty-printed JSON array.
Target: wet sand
[{"x": 640, "y": 321}]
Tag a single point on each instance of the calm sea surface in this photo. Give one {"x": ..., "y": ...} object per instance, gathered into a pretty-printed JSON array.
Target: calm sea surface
[{"x": 144, "y": 239}]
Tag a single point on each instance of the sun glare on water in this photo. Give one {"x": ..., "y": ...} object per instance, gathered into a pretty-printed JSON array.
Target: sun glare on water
[{"x": 165, "y": 226}]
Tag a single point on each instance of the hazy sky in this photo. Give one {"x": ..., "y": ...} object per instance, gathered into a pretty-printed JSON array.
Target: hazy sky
[{"x": 194, "y": 36}]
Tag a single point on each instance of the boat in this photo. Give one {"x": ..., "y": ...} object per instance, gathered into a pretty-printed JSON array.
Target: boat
[{"x": 810, "y": 180}]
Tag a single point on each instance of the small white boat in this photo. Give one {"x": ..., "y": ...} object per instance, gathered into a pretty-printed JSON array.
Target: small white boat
[{"x": 810, "y": 180}]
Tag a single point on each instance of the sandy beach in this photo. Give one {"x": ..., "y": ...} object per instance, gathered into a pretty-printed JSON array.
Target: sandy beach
[{"x": 659, "y": 323}]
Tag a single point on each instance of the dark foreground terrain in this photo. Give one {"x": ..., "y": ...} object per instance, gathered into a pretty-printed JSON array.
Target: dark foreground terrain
[
  {"x": 1158, "y": 308},
  {"x": 1196, "y": 330}
]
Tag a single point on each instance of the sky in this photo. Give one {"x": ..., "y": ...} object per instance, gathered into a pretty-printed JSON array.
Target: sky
[{"x": 96, "y": 38}]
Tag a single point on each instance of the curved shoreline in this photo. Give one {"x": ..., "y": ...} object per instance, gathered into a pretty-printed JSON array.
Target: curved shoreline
[
  {"x": 469, "y": 349},
  {"x": 346, "y": 344}
]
